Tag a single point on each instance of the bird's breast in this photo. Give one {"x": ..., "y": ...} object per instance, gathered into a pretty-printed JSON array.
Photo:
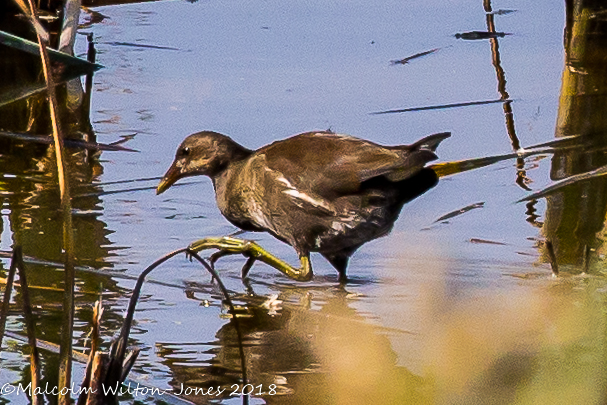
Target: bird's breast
[{"x": 242, "y": 197}]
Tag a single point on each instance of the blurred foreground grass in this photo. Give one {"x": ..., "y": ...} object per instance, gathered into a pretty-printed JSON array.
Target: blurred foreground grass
[{"x": 544, "y": 343}]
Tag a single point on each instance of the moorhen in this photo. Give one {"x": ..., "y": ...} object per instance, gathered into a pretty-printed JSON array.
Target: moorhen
[{"x": 317, "y": 191}]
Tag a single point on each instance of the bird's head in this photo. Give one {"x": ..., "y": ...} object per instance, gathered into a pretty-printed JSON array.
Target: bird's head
[{"x": 203, "y": 153}]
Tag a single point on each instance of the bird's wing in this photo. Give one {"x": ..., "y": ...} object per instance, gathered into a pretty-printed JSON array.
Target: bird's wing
[{"x": 329, "y": 165}]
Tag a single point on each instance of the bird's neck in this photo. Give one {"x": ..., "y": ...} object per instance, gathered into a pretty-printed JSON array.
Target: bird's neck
[
  {"x": 222, "y": 186},
  {"x": 239, "y": 153},
  {"x": 231, "y": 154}
]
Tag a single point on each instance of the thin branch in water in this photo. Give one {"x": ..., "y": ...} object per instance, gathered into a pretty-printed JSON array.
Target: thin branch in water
[
  {"x": 233, "y": 319},
  {"x": 128, "y": 190},
  {"x": 7, "y": 297},
  {"x": 107, "y": 183},
  {"x": 118, "y": 347},
  {"x": 30, "y": 326},
  {"x": 487, "y": 242},
  {"x": 439, "y": 107},
  {"x": 460, "y": 211},
  {"x": 70, "y": 143},
  {"x": 601, "y": 171},
  {"x": 117, "y": 366},
  {"x": 449, "y": 168},
  {"x": 88, "y": 91},
  {"x": 475, "y": 35},
  {"x": 410, "y": 58},
  {"x": 502, "y": 12},
  {"x": 568, "y": 140},
  {"x": 168, "y": 48}
]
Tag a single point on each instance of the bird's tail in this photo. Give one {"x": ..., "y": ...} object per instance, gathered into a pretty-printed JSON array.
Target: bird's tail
[
  {"x": 417, "y": 155},
  {"x": 430, "y": 142}
]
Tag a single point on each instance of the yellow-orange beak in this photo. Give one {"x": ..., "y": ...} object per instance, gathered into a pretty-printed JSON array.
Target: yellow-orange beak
[{"x": 170, "y": 177}]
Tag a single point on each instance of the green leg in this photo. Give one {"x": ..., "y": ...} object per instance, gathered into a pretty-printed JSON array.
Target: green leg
[
  {"x": 245, "y": 269},
  {"x": 228, "y": 245}
]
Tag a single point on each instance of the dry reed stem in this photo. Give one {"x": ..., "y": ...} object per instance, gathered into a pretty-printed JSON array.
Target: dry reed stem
[
  {"x": 7, "y": 297},
  {"x": 100, "y": 366},
  {"x": 30, "y": 326},
  {"x": 65, "y": 367},
  {"x": 95, "y": 333}
]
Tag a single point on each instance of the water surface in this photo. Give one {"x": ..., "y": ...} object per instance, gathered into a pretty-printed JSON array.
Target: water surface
[{"x": 262, "y": 71}]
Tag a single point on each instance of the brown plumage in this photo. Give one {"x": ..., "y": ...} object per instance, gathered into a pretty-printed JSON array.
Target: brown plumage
[{"x": 317, "y": 191}]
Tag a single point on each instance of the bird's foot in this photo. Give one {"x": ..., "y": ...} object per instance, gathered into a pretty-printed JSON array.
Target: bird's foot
[{"x": 230, "y": 246}]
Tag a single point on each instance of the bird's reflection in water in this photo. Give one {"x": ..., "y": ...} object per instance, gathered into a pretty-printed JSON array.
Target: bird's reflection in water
[{"x": 304, "y": 356}]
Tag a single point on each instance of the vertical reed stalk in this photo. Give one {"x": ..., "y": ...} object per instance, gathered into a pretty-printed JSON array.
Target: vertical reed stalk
[
  {"x": 95, "y": 334},
  {"x": 7, "y": 297},
  {"x": 65, "y": 367},
  {"x": 30, "y": 325}
]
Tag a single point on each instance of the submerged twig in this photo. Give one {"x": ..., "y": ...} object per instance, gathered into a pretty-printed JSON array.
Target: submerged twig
[
  {"x": 118, "y": 367},
  {"x": 118, "y": 347},
  {"x": 474, "y": 35},
  {"x": 30, "y": 326},
  {"x": 449, "y": 168},
  {"x": 114, "y": 43},
  {"x": 487, "y": 242},
  {"x": 234, "y": 318},
  {"x": 601, "y": 171},
  {"x": 410, "y": 58},
  {"x": 501, "y": 12},
  {"x": 438, "y": 107},
  {"x": 560, "y": 141},
  {"x": 460, "y": 211},
  {"x": 128, "y": 190},
  {"x": 70, "y": 143},
  {"x": 7, "y": 297}
]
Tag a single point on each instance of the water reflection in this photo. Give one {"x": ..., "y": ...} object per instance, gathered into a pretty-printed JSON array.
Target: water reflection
[
  {"x": 30, "y": 197},
  {"x": 521, "y": 175},
  {"x": 332, "y": 355},
  {"x": 575, "y": 215}
]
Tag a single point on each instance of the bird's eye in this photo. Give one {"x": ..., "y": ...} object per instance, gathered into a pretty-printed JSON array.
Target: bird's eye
[{"x": 184, "y": 151}]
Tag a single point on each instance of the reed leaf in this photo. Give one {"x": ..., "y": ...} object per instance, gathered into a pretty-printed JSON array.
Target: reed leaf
[
  {"x": 78, "y": 65},
  {"x": 70, "y": 143},
  {"x": 601, "y": 171}
]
